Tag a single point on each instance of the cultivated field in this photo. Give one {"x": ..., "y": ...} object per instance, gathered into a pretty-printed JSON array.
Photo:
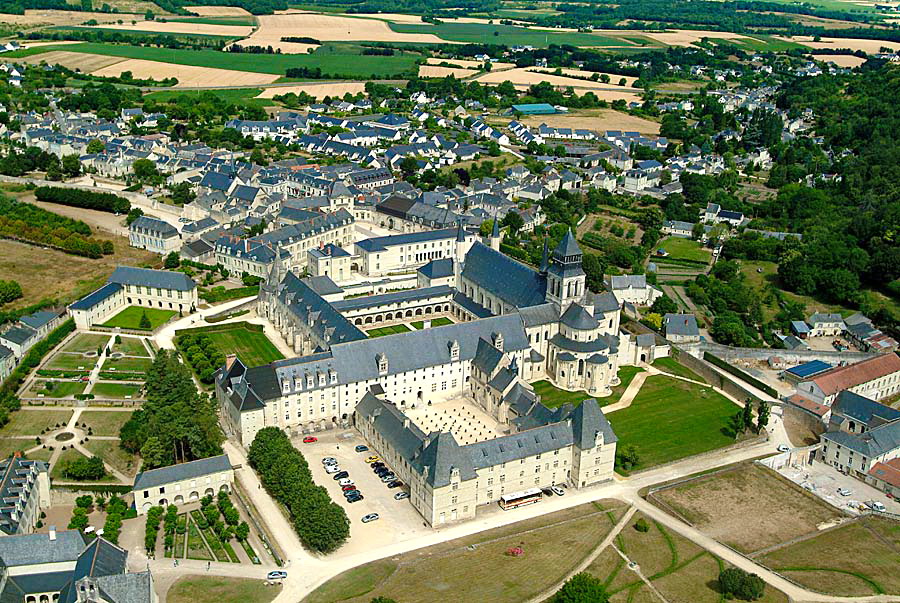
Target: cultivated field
[
  {"x": 841, "y": 60},
  {"x": 868, "y": 46},
  {"x": 749, "y": 508},
  {"x": 686, "y": 37},
  {"x": 217, "y": 11},
  {"x": 579, "y": 73},
  {"x": 330, "y": 27},
  {"x": 522, "y": 78},
  {"x": 598, "y": 120},
  {"x": 467, "y": 64},
  {"x": 79, "y": 61},
  {"x": 174, "y": 27},
  {"x": 437, "y": 71},
  {"x": 317, "y": 90},
  {"x": 40, "y": 17},
  {"x": 188, "y": 75}
]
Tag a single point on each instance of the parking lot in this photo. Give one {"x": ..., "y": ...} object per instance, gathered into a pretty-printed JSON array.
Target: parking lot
[
  {"x": 398, "y": 520},
  {"x": 824, "y": 480}
]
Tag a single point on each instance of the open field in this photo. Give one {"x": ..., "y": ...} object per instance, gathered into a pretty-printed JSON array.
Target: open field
[
  {"x": 696, "y": 420},
  {"x": 469, "y": 33},
  {"x": 553, "y": 397},
  {"x": 438, "y": 71},
  {"x": 31, "y": 422},
  {"x": 522, "y": 78},
  {"x": 580, "y": 73},
  {"x": 188, "y": 76},
  {"x": 86, "y": 63},
  {"x": 217, "y": 11},
  {"x": 841, "y": 60},
  {"x": 104, "y": 422},
  {"x": 599, "y": 120},
  {"x": 859, "y": 558},
  {"x": 868, "y": 46},
  {"x": 175, "y": 27},
  {"x": 467, "y": 63},
  {"x": 315, "y": 89},
  {"x": 130, "y": 317},
  {"x": 555, "y": 543},
  {"x": 41, "y": 17},
  {"x": 748, "y": 507},
  {"x": 391, "y": 330},
  {"x": 219, "y": 589},
  {"x": 680, "y": 248},
  {"x": 330, "y": 27},
  {"x": 686, "y": 37},
  {"x": 252, "y": 347}
]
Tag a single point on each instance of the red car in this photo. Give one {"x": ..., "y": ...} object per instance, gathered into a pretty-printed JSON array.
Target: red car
[
  {"x": 348, "y": 488},
  {"x": 310, "y": 440}
]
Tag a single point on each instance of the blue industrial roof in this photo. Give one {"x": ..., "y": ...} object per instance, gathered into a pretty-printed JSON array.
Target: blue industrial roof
[
  {"x": 809, "y": 368},
  {"x": 535, "y": 109},
  {"x": 92, "y": 299}
]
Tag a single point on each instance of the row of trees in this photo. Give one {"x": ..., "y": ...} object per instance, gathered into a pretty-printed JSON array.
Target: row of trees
[
  {"x": 72, "y": 197},
  {"x": 202, "y": 354},
  {"x": 177, "y": 423},
  {"x": 30, "y": 223},
  {"x": 84, "y": 468},
  {"x": 321, "y": 523}
]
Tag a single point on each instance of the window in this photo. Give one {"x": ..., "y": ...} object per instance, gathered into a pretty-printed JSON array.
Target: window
[{"x": 453, "y": 500}]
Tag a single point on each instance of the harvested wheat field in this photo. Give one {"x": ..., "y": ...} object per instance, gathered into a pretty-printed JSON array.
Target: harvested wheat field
[
  {"x": 686, "y": 37},
  {"x": 522, "y": 78},
  {"x": 599, "y": 120},
  {"x": 436, "y": 71},
  {"x": 39, "y": 17},
  {"x": 188, "y": 75},
  {"x": 335, "y": 28},
  {"x": 237, "y": 31},
  {"x": 318, "y": 90},
  {"x": 80, "y": 61},
  {"x": 841, "y": 60},
  {"x": 218, "y": 11},
  {"x": 868, "y": 46},
  {"x": 467, "y": 63},
  {"x": 36, "y": 44},
  {"x": 578, "y": 73}
]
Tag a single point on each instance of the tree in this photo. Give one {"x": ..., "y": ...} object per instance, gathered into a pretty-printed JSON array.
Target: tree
[
  {"x": 737, "y": 583},
  {"x": 172, "y": 261},
  {"x": 54, "y": 172},
  {"x": 242, "y": 531},
  {"x": 9, "y": 291},
  {"x": 409, "y": 166},
  {"x": 486, "y": 228},
  {"x": 581, "y": 588},
  {"x": 664, "y": 305},
  {"x": 513, "y": 220},
  {"x": 79, "y": 519},
  {"x": 386, "y": 599},
  {"x": 71, "y": 165},
  {"x": 96, "y": 146},
  {"x": 762, "y": 416},
  {"x": 627, "y": 458},
  {"x": 145, "y": 170},
  {"x": 594, "y": 267},
  {"x": 85, "y": 468},
  {"x": 133, "y": 214},
  {"x": 144, "y": 322},
  {"x": 747, "y": 415},
  {"x": 257, "y": 157}
]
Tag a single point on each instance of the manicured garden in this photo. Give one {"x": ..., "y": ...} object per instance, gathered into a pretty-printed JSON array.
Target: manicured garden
[
  {"x": 212, "y": 344},
  {"x": 85, "y": 342},
  {"x": 680, "y": 248},
  {"x": 116, "y": 390},
  {"x": 65, "y": 361},
  {"x": 553, "y": 397},
  {"x": 130, "y": 346},
  {"x": 132, "y": 318},
  {"x": 436, "y": 322},
  {"x": 391, "y": 330},
  {"x": 56, "y": 389}
]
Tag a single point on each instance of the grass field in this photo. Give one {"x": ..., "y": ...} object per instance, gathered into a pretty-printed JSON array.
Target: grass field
[
  {"x": 64, "y": 361},
  {"x": 382, "y": 331},
  {"x": 104, "y": 422},
  {"x": 555, "y": 543},
  {"x": 131, "y": 346},
  {"x": 685, "y": 249},
  {"x": 252, "y": 347},
  {"x": 127, "y": 364},
  {"x": 9, "y": 445},
  {"x": 749, "y": 507},
  {"x": 353, "y": 65},
  {"x": 31, "y": 422},
  {"x": 510, "y": 35},
  {"x": 695, "y": 418},
  {"x": 130, "y": 318},
  {"x": 57, "y": 389},
  {"x": 859, "y": 558},
  {"x": 553, "y": 397},
  {"x": 113, "y": 454},
  {"x": 219, "y": 589},
  {"x": 85, "y": 342},
  {"x": 237, "y": 96},
  {"x": 56, "y": 471},
  {"x": 673, "y": 367},
  {"x": 116, "y": 390},
  {"x": 437, "y": 322}
]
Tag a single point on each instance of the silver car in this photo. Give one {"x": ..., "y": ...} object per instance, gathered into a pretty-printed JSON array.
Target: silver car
[{"x": 370, "y": 517}]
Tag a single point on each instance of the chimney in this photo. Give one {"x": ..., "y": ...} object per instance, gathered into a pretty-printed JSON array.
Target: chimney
[
  {"x": 52, "y": 533},
  {"x": 406, "y": 423}
]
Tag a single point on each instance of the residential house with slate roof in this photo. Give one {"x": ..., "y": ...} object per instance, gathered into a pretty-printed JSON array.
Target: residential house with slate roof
[
  {"x": 129, "y": 286},
  {"x": 681, "y": 328},
  {"x": 857, "y": 453},
  {"x": 154, "y": 235},
  {"x": 184, "y": 483}
]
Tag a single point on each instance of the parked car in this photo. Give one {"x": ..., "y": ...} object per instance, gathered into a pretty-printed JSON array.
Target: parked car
[
  {"x": 276, "y": 575},
  {"x": 340, "y": 475},
  {"x": 844, "y": 491},
  {"x": 373, "y": 459},
  {"x": 348, "y": 487},
  {"x": 345, "y": 482},
  {"x": 370, "y": 517},
  {"x": 876, "y": 506},
  {"x": 356, "y": 498},
  {"x": 331, "y": 469},
  {"x": 547, "y": 491},
  {"x": 310, "y": 439},
  {"x": 395, "y": 484},
  {"x": 362, "y": 448},
  {"x": 558, "y": 491},
  {"x": 784, "y": 448},
  {"x": 329, "y": 460},
  {"x": 401, "y": 495},
  {"x": 388, "y": 478}
]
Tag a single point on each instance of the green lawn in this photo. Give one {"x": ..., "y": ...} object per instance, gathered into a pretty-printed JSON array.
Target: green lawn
[
  {"x": 510, "y": 35},
  {"x": 131, "y": 346},
  {"x": 219, "y": 589},
  {"x": 56, "y": 471},
  {"x": 116, "y": 390},
  {"x": 680, "y": 248},
  {"x": 104, "y": 422},
  {"x": 9, "y": 445},
  {"x": 86, "y": 342},
  {"x": 113, "y": 454},
  {"x": 349, "y": 64},
  {"x": 130, "y": 317},
  {"x": 673, "y": 367},
  {"x": 381, "y": 332},
  {"x": 553, "y": 397},
  {"x": 65, "y": 361},
  {"x": 57, "y": 389},
  {"x": 127, "y": 364},
  {"x": 31, "y": 422},
  {"x": 252, "y": 347},
  {"x": 671, "y": 419},
  {"x": 437, "y": 322}
]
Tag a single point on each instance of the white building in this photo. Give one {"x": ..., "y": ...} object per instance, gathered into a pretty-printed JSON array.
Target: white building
[{"x": 184, "y": 483}]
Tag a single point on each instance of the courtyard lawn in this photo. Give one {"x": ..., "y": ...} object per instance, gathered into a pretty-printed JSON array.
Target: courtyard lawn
[
  {"x": 252, "y": 347},
  {"x": 130, "y": 318},
  {"x": 437, "y": 322},
  {"x": 553, "y": 397},
  {"x": 673, "y": 367},
  {"x": 104, "y": 422},
  {"x": 31, "y": 422},
  {"x": 86, "y": 342},
  {"x": 9, "y": 445},
  {"x": 114, "y": 455},
  {"x": 381, "y": 332},
  {"x": 64, "y": 361},
  {"x": 127, "y": 365},
  {"x": 131, "y": 346},
  {"x": 116, "y": 391},
  {"x": 70, "y": 454},
  {"x": 671, "y": 419},
  {"x": 220, "y": 589},
  {"x": 685, "y": 249},
  {"x": 57, "y": 389}
]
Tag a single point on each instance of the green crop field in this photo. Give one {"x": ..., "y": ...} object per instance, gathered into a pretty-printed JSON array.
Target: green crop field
[
  {"x": 130, "y": 318},
  {"x": 353, "y": 65},
  {"x": 236, "y": 96},
  {"x": 133, "y": 33},
  {"x": 696, "y": 420},
  {"x": 511, "y": 35}
]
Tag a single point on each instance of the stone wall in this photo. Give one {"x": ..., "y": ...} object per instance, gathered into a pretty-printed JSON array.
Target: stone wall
[{"x": 730, "y": 354}]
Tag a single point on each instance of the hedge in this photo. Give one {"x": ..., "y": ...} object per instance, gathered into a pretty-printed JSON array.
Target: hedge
[
  {"x": 743, "y": 375},
  {"x": 220, "y": 293},
  {"x": 80, "y": 198},
  {"x": 664, "y": 259},
  {"x": 219, "y": 328}
]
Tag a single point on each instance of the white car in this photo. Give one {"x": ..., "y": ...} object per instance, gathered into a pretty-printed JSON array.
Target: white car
[
  {"x": 345, "y": 482},
  {"x": 370, "y": 517},
  {"x": 784, "y": 448},
  {"x": 329, "y": 460},
  {"x": 557, "y": 490},
  {"x": 844, "y": 491},
  {"x": 276, "y": 575},
  {"x": 332, "y": 469}
]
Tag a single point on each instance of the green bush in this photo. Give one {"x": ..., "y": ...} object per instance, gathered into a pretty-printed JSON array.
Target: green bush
[
  {"x": 641, "y": 525},
  {"x": 735, "y": 583}
]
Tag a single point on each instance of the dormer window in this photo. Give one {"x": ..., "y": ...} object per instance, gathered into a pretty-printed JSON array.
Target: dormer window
[
  {"x": 454, "y": 350},
  {"x": 332, "y": 376},
  {"x": 309, "y": 380},
  {"x": 497, "y": 339},
  {"x": 285, "y": 385},
  {"x": 382, "y": 361},
  {"x": 321, "y": 379}
]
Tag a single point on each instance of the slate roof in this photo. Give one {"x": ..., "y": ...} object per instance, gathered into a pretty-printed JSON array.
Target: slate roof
[
  {"x": 513, "y": 282},
  {"x": 382, "y": 243},
  {"x": 92, "y": 299},
  {"x": 441, "y": 268},
  {"x": 681, "y": 324},
  {"x": 309, "y": 307},
  {"x": 487, "y": 357},
  {"x": 603, "y": 343},
  {"x": 128, "y": 275},
  {"x": 18, "y": 335},
  {"x": 39, "y": 319},
  {"x": 157, "y": 227},
  {"x": 100, "y": 558},
  {"x": 634, "y": 281},
  {"x": 576, "y": 317},
  {"x": 567, "y": 247},
  {"x": 381, "y": 299},
  {"x": 542, "y": 314},
  {"x": 176, "y": 473},
  {"x": 323, "y": 285},
  {"x": 15, "y": 472},
  {"x": 863, "y": 409},
  {"x": 872, "y": 443},
  {"x": 37, "y": 549}
]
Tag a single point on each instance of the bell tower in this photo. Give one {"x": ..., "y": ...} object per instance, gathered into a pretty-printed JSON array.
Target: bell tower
[{"x": 565, "y": 277}]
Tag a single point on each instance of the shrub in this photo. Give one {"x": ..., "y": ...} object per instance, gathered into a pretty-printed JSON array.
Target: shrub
[
  {"x": 736, "y": 583},
  {"x": 641, "y": 525}
]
